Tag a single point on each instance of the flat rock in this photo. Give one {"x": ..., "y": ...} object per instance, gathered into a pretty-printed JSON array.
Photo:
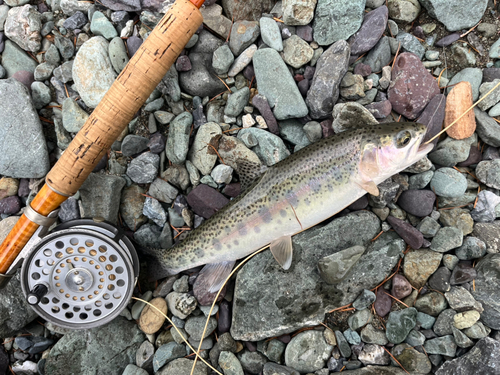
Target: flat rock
[
  {"x": 247, "y": 10},
  {"x": 330, "y": 69},
  {"x": 206, "y": 201},
  {"x": 368, "y": 35},
  {"x": 243, "y": 34},
  {"x": 307, "y": 352},
  {"x": 410, "y": 76},
  {"x": 419, "y": 265},
  {"x": 481, "y": 359},
  {"x": 463, "y": 15},
  {"x": 201, "y": 80},
  {"x": 337, "y": 20},
  {"x": 295, "y": 304},
  {"x": 100, "y": 196},
  {"x": 23, "y": 148},
  {"x": 275, "y": 82},
  {"x": 22, "y": 26},
  {"x": 113, "y": 347},
  {"x": 93, "y": 72},
  {"x": 15, "y": 59},
  {"x": 487, "y": 128},
  {"x": 487, "y": 283},
  {"x": 201, "y": 154},
  {"x": 177, "y": 145},
  {"x": 400, "y": 323}
]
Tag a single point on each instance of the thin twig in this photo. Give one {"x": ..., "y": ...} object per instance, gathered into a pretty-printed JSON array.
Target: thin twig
[{"x": 472, "y": 28}]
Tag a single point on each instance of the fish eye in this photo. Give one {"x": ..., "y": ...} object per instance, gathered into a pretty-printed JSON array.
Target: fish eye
[{"x": 403, "y": 138}]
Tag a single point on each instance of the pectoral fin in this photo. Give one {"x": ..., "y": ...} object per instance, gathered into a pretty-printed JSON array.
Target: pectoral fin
[
  {"x": 282, "y": 250},
  {"x": 369, "y": 186},
  {"x": 249, "y": 172},
  {"x": 215, "y": 274}
]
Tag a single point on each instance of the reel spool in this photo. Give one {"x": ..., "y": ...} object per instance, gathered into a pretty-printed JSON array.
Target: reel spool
[{"x": 81, "y": 275}]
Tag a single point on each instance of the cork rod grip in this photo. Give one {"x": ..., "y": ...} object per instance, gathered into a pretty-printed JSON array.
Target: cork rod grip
[{"x": 125, "y": 97}]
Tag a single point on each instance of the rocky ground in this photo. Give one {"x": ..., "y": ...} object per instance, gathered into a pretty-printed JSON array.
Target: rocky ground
[{"x": 420, "y": 288}]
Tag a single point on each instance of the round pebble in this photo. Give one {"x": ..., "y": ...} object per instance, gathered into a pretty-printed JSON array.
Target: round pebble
[
  {"x": 448, "y": 183},
  {"x": 151, "y": 319}
]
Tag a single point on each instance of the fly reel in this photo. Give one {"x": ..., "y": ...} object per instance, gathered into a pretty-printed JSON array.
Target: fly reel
[{"x": 81, "y": 275}]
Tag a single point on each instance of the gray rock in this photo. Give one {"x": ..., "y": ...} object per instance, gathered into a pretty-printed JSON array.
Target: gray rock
[
  {"x": 444, "y": 323},
  {"x": 307, "y": 352},
  {"x": 277, "y": 85},
  {"x": 65, "y": 46},
  {"x": 486, "y": 292},
  {"x": 252, "y": 362},
  {"x": 365, "y": 299},
  {"x": 222, "y": 59},
  {"x": 131, "y": 206},
  {"x": 73, "y": 116},
  {"x": 230, "y": 364},
  {"x": 412, "y": 360},
  {"x": 472, "y": 248},
  {"x": 242, "y": 61},
  {"x": 169, "y": 85},
  {"x": 270, "y": 148},
  {"x": 374, "y": 355},
  {"x": 41, "y": 94},
  {"x": 481, "y": 359},
  {"x": 167, "y": 353},
  {"x": 100, "y": 25},
  {"x": 370, "y": 335},
  {"x": 182, "y": 366},
  {"x": 324, "y": 91},
  {"x": 472, "y": 75},
  {"x": 118, "y": 54},
  {"x": 441, "y": 345},
  {"x": 154, "y": 211},
  {"x": 421, "y": 180},
  {"x": 415, "y": 338},
  {"x": 460, "y": 299},
  {"x": 144, "y": 168},
  {"x": 485, "y": 207},
  {"x": 425, "y": 321},
  {"x": 133, "y": 144},
  {"x": 100, "y": 196},
  {"x": 296, "y": 51},
  {"x": 489, "y": 100},
  {"x": 271, "y": 34},
  {"x": 477, "y": 331},
  {"x": 244, "y": 10},
  {"x": 15, "y": 312},
  {"x": 243, "y": 34},
  {"x": 14, "y": 59},
  {"x": 463, "y": 15},
  {"x": 411, "y": 44},
  {"x": 93, "y": 73},
  {"x": 23, "y": 148},
  {"x": 449, "y": 183},
  {"x": 298, "y": 12},
  {"x": 400, "y": 323},
  {"x": 222, "y": 174},
  {"x": 271, "y": 368},
  {"x": 287, "y": 315},
  {"x": 446, "y": 239},
  {"x": 201, "y": 80},
  {"x": 178, "y": 138},
  {"x": 350, "y": 116},
  {"x": 359, "y": 319},
  {"x": 335, "y": 267},
  {"x": 343, "y": 345},
  {"x": 293, "y": 132},
  {"x": 134, "y": 370},
  {"x": 488, "y": 172},
  {"x": 163, "y": 191},
  {"x": 337, "y": 20},
  {"x": 195, "y": 327},
  {"x": 431, "y": 303},
  {"x": 43, "y": 71},
  {"x": 237, "y": 101},
  {"x": 201, "y": 154},
  {"x": 404, "y": 10},
  {"x": 487, "y": 128},
  {"x": 63, "y": 137},
  {"x": 115, "y": 343},
  {"x": 379, "y": 56},
  {"x": 22, "y": 26}
]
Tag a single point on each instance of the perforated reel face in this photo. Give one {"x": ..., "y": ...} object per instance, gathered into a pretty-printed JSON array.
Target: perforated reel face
[{"x": 89, "y": 278}]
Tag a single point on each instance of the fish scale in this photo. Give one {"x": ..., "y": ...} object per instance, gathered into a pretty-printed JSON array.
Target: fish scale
[{"x": 295, "y": 194}]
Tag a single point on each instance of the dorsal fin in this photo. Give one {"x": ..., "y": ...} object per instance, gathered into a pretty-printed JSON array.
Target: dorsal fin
[{"x": 249, "y": 172}]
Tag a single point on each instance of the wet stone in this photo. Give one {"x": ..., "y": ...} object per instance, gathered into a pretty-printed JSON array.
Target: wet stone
[
  {"x": 460, "y": 299},
  {"x": 343, "y": 345},
  {"x": 365, "y": 299},
  {"x": 440, "y": 280},
  {"x": 444, "y": 323},
  {"x": 252, "y": 362},
  {"x": 441, "y": 345},
  {"x": 359, "y": 319},
  {"x": 463, "y": 273}
]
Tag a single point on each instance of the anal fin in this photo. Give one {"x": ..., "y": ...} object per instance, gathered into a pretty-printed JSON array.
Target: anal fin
[
  {"x": 215, "y": 274},
  {"x": 282, "y": 250},
  {"x": 369, "y": 186}
]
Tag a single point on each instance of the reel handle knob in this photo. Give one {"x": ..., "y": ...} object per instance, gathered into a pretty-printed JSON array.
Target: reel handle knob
[{"x": 35, "y": 295}]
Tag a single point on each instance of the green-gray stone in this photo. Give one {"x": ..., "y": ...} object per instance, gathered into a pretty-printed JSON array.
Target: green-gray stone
[
  {"x": 100, "y": 25},
  {"x": 370, "y": 335},
  {"x": 222, "y": 60},
  {"x": 420, "y": 180},
  {"x": 458, "y": 218},
  {"x": 307, "y": 352},
  {"x": 335, "y": 267},
  {"x": 472, "y": 248},
  {"x": 452, "y": 151},
  {"x": 444, "y": 323},
  {"x": 275, "y": 82},
  {"x": 15, "y": 59},
  {"x": 178, "y": 138},
  {"x": 336, "y": 20},
  {"x": 167, "y": 353},
  {"x": 441, "y": 345},
  {"x": 118, "y": 54},
  {"x": 400, "y": 323},
  {"x": 360, "y": 319},
  {"x": 411, "y": 44},
  {"x": 273, "y": 349},
  {"x": 446, "y": 239},
  {"x": 472, "y": 75},
  {"x": 73, "y": 116},
  {"x": 113, "y": 347},
  {"x": 63, "y": 137},
  {"x": 230, "y": 364},
  {"x": 429, "y": 227},
  {"x": 449, "y": 183},
  {"x": 411, "y": 359},
  {"x": 237, "y": 101},
  {"x": 425, "y": 321},
  {"x": 365, "y": 299},
  {"x": 488, "y": 172},
  {"x": 270, "y": 148},
  {"x": 352, "y": 337},
  {"x": 461, "y": 339},
  {"x": 293, "y": 132},
  {"x": 431, "y": 303},
  {"x": 40, "y": 94},
  {"x": 477, "y": 331},
  {"x": 343, "y": 345},
  {"x": 195, "y": 326},
  {"x": 415, "y": 338},
  {"x": 270, "y": 33}
]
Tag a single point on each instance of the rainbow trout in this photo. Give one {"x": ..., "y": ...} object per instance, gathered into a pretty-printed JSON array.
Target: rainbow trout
[{"x": 295, "y": 194}]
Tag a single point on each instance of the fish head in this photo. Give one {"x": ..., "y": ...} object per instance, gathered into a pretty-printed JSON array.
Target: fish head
[{"x": 389, "y": 148}]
